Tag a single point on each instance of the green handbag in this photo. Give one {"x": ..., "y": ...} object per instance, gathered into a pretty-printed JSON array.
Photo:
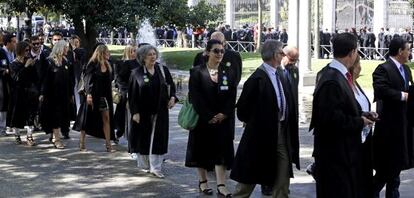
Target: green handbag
[{"x": 188, "y": 117}]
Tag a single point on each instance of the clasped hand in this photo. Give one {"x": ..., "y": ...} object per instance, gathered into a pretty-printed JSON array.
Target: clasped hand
[{"x": 217, "y": 118}]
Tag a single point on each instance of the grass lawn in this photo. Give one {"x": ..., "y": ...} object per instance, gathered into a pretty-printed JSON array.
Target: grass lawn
[{"x": 182, "y": 59}]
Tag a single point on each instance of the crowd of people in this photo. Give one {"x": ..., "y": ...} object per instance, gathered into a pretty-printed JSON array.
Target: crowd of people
[
  {"x": 45, "y": 88},
  {"x": 373, "y": 47}
]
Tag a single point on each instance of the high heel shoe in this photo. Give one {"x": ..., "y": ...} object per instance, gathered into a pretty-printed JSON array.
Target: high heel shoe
[
  {"x": 220, "y": 194},
  {"x": 109, "y": 148},
  {"x": 206, "y": 191}
]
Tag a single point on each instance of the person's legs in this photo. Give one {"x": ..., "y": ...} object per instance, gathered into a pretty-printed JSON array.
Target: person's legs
[
  {"x": 29, "y": 137},
  {"x": 3, "y": 127},
  {"x": 17, "y": 135},
  {"x": 106, "y": 130},
  {"x": 392, "y": 186},
  {"x": 56, "y": 136},
  {"x": 155, "y": 162},
  {"x": 202, "y": 181},
  {"x": 143, "y": 163},
  {"x": 281, "y": 186},
  {"x": 221, "y": 180},
  {"x": 82, "y": 138},
  {"x": 379, "y": 182}
]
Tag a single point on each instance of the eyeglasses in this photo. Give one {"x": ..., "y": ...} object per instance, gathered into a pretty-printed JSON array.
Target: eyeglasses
[
  {"x": 281, "y": 53},
  {"x": 217, "y": 51}
]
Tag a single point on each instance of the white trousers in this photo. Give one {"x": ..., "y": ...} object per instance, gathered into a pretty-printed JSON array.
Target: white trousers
[{"x": 150, "y": 162}]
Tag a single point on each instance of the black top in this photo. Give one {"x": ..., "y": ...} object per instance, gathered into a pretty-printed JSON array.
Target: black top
[
  {"x": 103, "y": 81},
  {"x": 152, "y": 90}
]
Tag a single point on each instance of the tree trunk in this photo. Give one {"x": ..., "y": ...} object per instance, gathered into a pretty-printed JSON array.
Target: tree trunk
[
  {"x": 87, "y": 34},
  {"x": 259, "y": 25},
  {"x": 28, "y": 23}
]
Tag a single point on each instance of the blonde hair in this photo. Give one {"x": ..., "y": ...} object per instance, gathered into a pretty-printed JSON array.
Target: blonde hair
[
  {"x": 127, "y": 52},
  {"x": 98, "y": 56},
  {"x": 57, "y": 52}
]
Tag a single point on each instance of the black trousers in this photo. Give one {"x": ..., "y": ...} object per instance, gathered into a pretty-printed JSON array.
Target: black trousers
[{"x": 390, "y": 180}]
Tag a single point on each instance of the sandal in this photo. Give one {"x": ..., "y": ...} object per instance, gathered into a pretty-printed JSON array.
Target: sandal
[
  {"x": 18, "y": 140},
  {"x": 206, "y": 191},
  {"x": 219, "y": 193},
  {"x": 30, "y": 141}
]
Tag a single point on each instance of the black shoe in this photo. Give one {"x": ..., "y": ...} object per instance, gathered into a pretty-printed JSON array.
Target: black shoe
[
  {"x": 267, "y": 190},
  {"x": 66, "y": 136},
  {"x": 220, "y": 194},
  {"x": 310, "y": 169},
  {"x": 18, "y": 140},
  {"x": 206, "y": 191}
]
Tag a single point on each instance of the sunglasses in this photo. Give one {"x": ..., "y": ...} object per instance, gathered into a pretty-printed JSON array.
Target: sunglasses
[
  {"x": 218, "y": 51},
  {"x": 35, "y": 43}
]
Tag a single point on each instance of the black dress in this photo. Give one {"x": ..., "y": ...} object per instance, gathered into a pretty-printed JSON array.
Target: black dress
[
  {"x": 149, "y": 95},
  {"x": 22, "y": 80},
  {"x": 57, "y": 97},
  {"x": 89, "y": 118},
  {"x": 211, "y": 144}
]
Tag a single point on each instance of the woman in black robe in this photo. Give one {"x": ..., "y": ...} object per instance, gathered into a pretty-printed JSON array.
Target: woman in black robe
[
  {"x": 210, "y": 143},
  {"x": 151, "y": 93},
  {"x": 57, "y": 94},
  {"x": 23, "y": 75},
  {"x": 122, "y": 73},
  {"x": 95, "y": 116}
]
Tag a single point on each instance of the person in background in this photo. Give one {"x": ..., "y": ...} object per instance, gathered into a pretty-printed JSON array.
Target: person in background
[
  {"x": 57, "y": 93},
  {"x": 392, "y": 139},
  {"x": 122, "y": 74},
  {"x": 23, "y": 75},
  {"x": 210, "y": 143},
  {"x": 150, "y": 96},
  {"x": 95, "y": 115},
  {"x": 265, "y": 153},
  {"x": 6, "y": 57}
]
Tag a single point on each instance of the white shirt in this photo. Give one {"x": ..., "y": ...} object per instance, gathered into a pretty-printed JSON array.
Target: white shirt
[
  {"x": 339, "y": 66},
  {"x": 271, "y": 72}
]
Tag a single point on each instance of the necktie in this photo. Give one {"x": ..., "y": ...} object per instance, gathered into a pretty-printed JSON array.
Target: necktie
[
  {"x": 349, "y": 79},
  {"x": 282, "y": 101},
  {"x": 403, "y": 75}
]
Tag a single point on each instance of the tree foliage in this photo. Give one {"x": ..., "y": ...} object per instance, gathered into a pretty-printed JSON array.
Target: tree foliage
[{"x": 204, "y": 13}]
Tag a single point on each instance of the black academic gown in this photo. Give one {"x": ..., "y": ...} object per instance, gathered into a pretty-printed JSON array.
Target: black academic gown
[
  {"x": 337, "y": 125},
  {"x": 392, "y": 141},
  {"x": 123, "y": 71},
  {"x": 211, "y": 144},
  {"x": 57, "y": 94},
  {"x": 233, "y": 61},
  {"x": 89, "y": 117},
  {"x": 4, "y": 81},
  {"x": 258, "y": 108},
  {"x": 141, "y": 89},
  {"x": 22, "y": 80}
]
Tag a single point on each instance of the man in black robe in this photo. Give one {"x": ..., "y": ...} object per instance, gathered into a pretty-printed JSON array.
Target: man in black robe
[
  {"x": 393, "y": 134},
  {"x": 265, "y": 153},
  {"x": 337, "y": 124}
]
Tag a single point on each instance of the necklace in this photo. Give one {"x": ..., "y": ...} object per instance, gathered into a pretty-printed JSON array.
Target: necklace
[{"x": 212, "y": 71}]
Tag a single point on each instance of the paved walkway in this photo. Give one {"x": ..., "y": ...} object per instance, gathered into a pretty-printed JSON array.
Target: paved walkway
[{"x": 43, "y": 171}]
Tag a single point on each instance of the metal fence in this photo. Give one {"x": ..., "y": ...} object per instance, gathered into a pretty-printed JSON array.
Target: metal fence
[{"x": 366, "y": 53}]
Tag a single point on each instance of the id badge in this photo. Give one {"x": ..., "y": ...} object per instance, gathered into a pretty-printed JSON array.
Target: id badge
[{"x": 224, "y": 88}]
